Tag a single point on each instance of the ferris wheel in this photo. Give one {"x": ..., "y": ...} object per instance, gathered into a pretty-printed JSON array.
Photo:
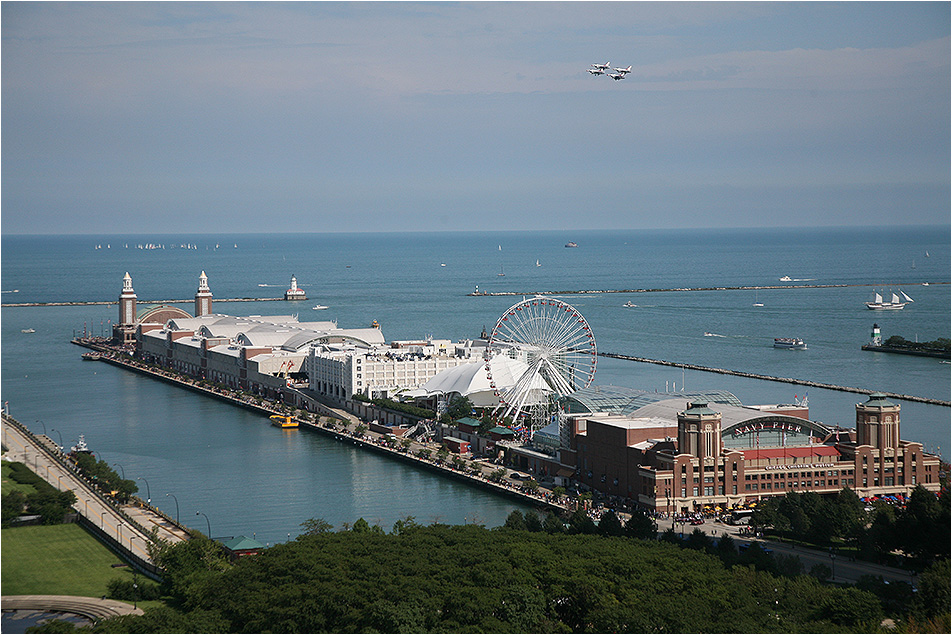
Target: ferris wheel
[{"x": 554, "y": 344}]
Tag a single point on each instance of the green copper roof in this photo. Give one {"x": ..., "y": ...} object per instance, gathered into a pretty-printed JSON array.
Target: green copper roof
[
  {"x": 699, "y": 408},
  {"x": 242, "y": 543},
  {"x": 878, "y": 400}
]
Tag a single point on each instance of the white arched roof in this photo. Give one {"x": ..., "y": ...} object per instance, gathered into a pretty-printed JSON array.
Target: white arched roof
[{"x": 469, "y": 380}]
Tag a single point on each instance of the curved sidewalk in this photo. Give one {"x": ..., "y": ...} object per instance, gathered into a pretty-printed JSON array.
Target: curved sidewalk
[{"x": 93, "y": 608}]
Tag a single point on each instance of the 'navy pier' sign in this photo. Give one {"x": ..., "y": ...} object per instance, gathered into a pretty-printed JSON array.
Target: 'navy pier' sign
[{"x": 777, "y": 426}]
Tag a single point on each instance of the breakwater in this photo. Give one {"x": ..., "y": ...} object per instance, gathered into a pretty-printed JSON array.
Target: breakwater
[
  {"x": 786, "y": 380},
  {"x": 668, "y": 289},
  {"x": 906, "y": 351},
  {"x": 108, "y": 302}
]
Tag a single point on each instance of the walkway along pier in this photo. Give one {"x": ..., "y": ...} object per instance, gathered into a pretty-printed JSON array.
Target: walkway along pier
[
  {"x": 345, "y": 431},
  {"x": 787, "y": 380}
]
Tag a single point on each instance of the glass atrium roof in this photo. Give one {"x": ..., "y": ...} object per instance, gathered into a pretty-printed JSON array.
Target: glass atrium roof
[{"x": 624, "y": 401}]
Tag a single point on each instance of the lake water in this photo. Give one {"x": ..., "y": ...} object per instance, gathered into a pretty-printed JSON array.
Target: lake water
[{"x": 252, "y": 479}]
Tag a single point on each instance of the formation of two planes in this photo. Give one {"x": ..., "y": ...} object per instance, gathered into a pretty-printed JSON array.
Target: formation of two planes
[{"x": 600, "y": 69}]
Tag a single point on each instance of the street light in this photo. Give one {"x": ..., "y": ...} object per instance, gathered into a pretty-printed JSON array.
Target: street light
[
  {"x": 42, "y": 424},
  {"x": 207, "y": 521},
  {"x": 832, "y": 564},
  {"x": 121, "y": 470},
  {"x": 176, "y": 507},
  {"x": 148, "y": 490},
  {"x": 60, "y": 435},
  {"x": 102, "y": 519}
]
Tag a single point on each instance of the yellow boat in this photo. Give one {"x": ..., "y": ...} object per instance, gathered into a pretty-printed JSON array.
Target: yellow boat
[{"x": 282, "y": 421}]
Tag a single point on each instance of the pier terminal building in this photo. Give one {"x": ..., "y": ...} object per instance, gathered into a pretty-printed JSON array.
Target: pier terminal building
[
  {"x": 671, "y": 452},
  {"x": 268, "y": 355},
  {"x": 689, "y": 452}
]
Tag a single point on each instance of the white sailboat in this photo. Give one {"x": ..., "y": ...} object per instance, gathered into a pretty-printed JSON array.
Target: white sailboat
[{"x": 894, "y": 303}]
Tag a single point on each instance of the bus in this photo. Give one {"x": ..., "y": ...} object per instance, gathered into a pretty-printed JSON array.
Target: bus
[{"x": 740, "y": 516}]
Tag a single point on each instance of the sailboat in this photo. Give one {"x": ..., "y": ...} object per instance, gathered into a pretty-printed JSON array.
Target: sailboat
[
  {"x": 756, "y": 301},
  {"x": 501, "y": 272},
  {"x": 538, "y": 264},
  {"x": 894, "y": 303}
]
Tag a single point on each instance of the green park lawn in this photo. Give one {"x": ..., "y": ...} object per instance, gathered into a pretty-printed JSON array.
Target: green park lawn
[
  {"x": 9, "y": 484},
  {"x": 56, "y": 560}
]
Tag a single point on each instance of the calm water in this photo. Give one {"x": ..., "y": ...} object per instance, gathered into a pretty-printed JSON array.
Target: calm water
[{"x": 252, "y": 479}]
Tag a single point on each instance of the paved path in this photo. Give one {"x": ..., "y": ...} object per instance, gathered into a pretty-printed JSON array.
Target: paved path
[
  {"x": 844, "y": 570},
  {"x": 88, "y": 503},
  {"x": 93, "y": 608}
]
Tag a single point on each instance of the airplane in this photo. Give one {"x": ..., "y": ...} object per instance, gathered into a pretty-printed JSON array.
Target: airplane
[
  {"x": 596, "y": 71},
  {"x": 602, "y": 67},
  {"x": 623, "y": 71},
  {"x": 616, "y": 77}
]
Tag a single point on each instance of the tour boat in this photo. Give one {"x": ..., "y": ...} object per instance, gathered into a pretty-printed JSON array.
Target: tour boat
[
  {"x": 789, "y": 342},
  {"x": 282, "y": 421}
]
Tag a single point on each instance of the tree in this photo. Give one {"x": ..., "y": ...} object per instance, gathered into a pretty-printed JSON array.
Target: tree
[
  {"x": 610, "y": 525},
  {"x": 641, "y": 526},
  {"x": 515, "y": 520},
  {"x": 316, "y": 526},
  {"x": 459, "y": 407}
]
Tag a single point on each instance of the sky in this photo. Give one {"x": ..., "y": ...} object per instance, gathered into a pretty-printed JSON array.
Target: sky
[{"x": 222, "y": 117}]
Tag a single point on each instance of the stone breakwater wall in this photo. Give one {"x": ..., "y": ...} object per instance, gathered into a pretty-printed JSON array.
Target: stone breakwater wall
[
  {"x": 786, "y": 380},
  {"x": 108, "y": 302},
  {"x": 660, "y": 290}
]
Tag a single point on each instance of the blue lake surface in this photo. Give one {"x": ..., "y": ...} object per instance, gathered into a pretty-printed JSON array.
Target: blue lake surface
[{"x": 252, "y": 479}]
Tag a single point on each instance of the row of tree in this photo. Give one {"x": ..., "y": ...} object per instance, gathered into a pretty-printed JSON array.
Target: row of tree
[
  {"x": 921, "y": 528},
  {"x": 103, "y": 477},
  {"x": 45, "y": 500},
  {"x": 897, "y": 341}
]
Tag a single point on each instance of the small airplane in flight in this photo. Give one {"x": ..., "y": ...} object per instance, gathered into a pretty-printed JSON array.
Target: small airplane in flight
[
  {"x": 617, "y": 76},
  {"x": 602, "y": 67},
  {"x": 623, "y": 71},
  {"x": 596, "y": 71}
]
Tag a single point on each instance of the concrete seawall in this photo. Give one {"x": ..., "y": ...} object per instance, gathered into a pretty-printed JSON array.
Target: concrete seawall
[
  {"x": 786, "y": 380},
  {"x": 368, "y": 441}
]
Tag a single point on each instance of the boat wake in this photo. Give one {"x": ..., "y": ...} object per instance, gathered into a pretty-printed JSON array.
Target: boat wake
[{"x": 708, "y": 334}]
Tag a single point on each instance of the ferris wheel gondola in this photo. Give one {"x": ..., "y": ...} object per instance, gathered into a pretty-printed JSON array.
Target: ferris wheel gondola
[{"x": 556, "y": 345}]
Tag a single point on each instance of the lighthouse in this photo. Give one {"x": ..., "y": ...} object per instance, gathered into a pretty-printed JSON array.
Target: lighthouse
[
  {"x": 294, "y": 293},
  {"x": 124, "y": 331},
  {"x": 876, "y": 339}
]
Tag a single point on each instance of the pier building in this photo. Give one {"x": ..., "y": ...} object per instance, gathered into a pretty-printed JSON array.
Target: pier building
[{"x": 688, "y": 452}]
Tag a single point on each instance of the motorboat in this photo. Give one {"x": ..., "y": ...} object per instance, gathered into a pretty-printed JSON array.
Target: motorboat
[{"x": 789, "y": 342}]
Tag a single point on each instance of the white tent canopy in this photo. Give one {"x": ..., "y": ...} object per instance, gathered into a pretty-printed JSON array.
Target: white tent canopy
[{"x": 469, "y": 380}]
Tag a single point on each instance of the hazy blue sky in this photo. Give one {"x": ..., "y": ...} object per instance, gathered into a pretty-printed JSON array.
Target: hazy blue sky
[{"x": 250, "y": 117}]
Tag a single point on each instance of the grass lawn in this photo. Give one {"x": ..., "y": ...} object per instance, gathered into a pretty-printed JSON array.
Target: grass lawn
[
  {"x": 9, "y": 484},
  {"x": 56, "y": 560}
]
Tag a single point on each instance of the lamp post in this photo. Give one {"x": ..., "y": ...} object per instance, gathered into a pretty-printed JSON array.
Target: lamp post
[
  {"x": 121, "y": 470},
  {"x": 176, "y": 506},
  {"x": 60, "y": 435},
  {"x": 832, "y": 565},
  {"x": 148, "y": 490},
  {"x": 207, "y": 521},
  {"x": 102, "y": 519},
  {"x": 42, "y": 424},
  {"x": 119, "y": 528}
]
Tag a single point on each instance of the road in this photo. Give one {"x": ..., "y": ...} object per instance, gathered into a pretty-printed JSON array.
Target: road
[
  {"x": 844, "y": 570},
  {"x": 90, "y": 505}
]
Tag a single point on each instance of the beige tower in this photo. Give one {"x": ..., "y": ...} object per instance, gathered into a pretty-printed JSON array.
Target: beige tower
[
  {"x": 699, "y": 431},
  {"x": 203, "y": 297},
  {"x": 124, "y": 331},
  {"x": 877, "y": 422}
]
